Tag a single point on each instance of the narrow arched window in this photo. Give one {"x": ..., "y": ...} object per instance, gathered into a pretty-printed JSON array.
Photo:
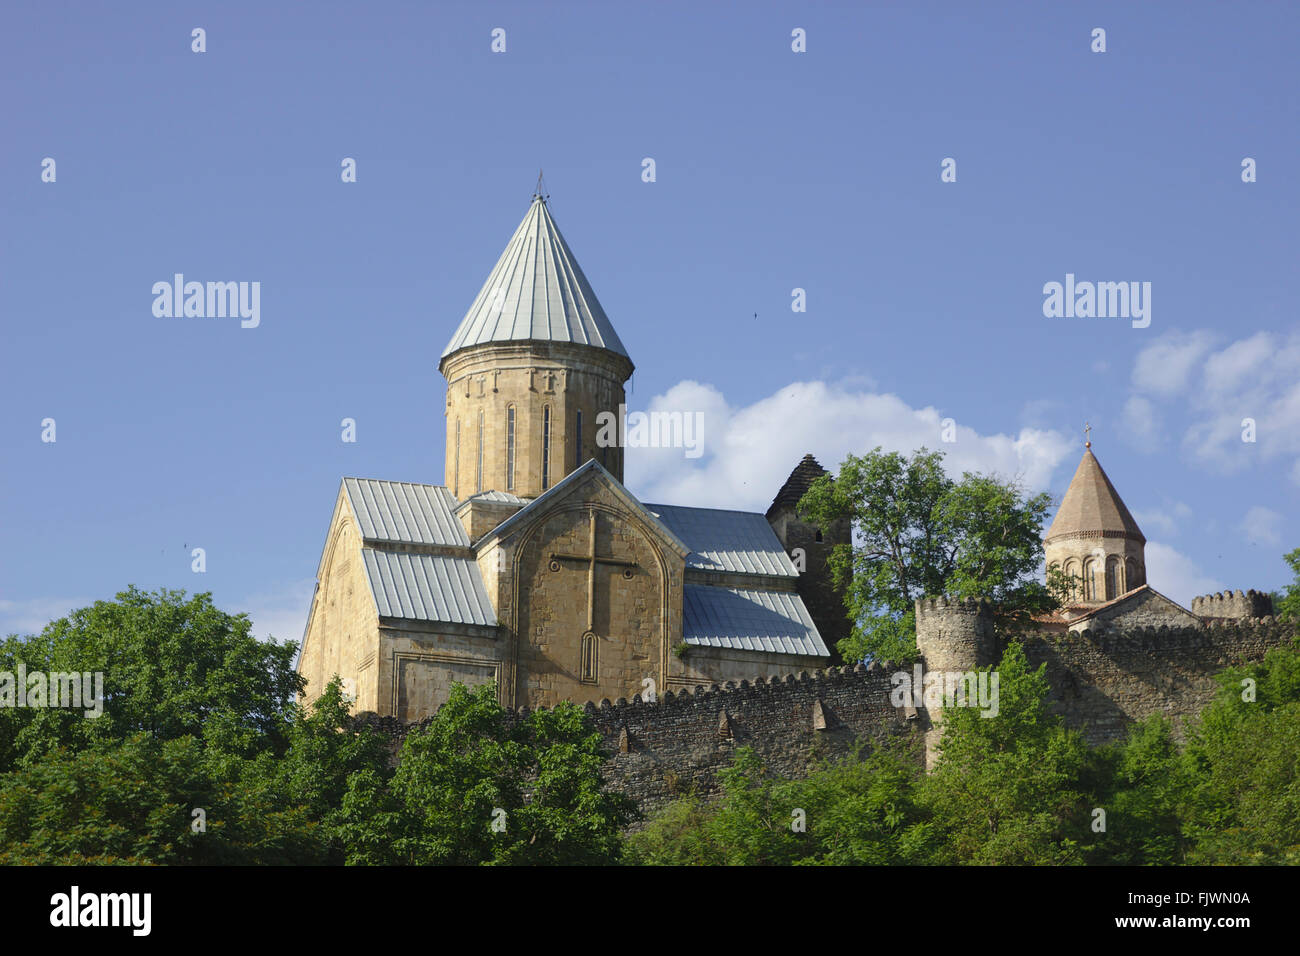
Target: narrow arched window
[
  {"x": 589, "y": 664},
  {"x": 546, "y": 447},
  {"x": 478, "y": 480},
  {"x": 819, "y": 534},
  {"x": 1132, "y": 577},
  {"x": 510, "y": 448},
  {"x": 1090, "y": 580},
  {"x": 455, "y": 475},
  {"x": 1112, "y": 578},
  {"x": 1072, "y": 576},
  {"x": 577, "y": 444}
]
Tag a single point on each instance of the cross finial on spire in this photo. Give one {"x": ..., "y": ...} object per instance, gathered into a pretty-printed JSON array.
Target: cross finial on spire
[
  {"x": 540, "y": 191},
  {"x": 1087, "y": 435}
]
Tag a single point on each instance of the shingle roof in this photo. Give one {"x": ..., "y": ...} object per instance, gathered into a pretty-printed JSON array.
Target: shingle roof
[
  {"x": 805, "y": 473},
  {"x": 737, "y": 541},
  {"x": 752, "y": 620},
  {"x": 403, "y": 513},
  {"x": 427, "y": 587},
  {"x": 536, "y": 291},
  {"x": 1092, "y": 506}
]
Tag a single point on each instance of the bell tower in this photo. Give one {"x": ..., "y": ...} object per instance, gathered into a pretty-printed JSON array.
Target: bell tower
[{"x": 1093, "y": 537}]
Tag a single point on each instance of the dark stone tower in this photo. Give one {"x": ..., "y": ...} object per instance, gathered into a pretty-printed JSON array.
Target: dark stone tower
[{"x": 825, "y": 602}]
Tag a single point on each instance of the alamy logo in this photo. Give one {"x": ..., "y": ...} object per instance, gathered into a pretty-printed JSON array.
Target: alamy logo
[
  {"x": 651, "y": 430},
  {"x": 102, "y": 909},
  {"x": 938, "y": 689},
  {"x": 211, "y": 300},
  {"x": 76, "y": 690},
  {"x": 1101, "y": 300}
]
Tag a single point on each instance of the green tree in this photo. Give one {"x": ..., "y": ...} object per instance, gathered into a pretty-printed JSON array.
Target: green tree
[
  {"x": 134, "y": 802},
  {"x": 849, "y": 811},
  {"x": 1244, "y": 756},
  {"x": 918, "y": 532},
  {"x": 1145, "y": 785},
  {"x": 1288, "y": 607},
  {"x": 1011, "y": 788},
  {"x": 173, "y": 666},
  {"x": 476, "y": 786}
]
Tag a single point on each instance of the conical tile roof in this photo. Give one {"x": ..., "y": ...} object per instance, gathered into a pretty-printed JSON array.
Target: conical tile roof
[
  {"x": 536, "y": 292},
  {"x": 1092, "y": 505},
  {"x": 805, "y": 473}
]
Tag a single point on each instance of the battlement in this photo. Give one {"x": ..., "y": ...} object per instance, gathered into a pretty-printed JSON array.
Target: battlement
[
  {"x": 1234, "y": 605},
  {"x": 955, "y": 634},
  {"x": 932, "y": 605},
  {"x": 1102, "y": 681},
  {"x": 661, "y": 749}
]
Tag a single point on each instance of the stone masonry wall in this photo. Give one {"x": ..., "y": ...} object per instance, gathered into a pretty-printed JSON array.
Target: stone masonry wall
[
  {"x": 1102, "y": 681},
  {"x": 662, "y": 750}
]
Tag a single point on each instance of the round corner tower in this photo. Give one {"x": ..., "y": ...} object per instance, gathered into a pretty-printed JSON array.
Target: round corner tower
[
  {"x": 955, "y": 635},
  {"x": 532, "y": 365},
  {"x": 1094, "y": 539}
]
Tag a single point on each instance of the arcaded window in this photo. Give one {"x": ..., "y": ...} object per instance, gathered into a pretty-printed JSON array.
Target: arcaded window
[
  {"x": 1112, "y": 577},
  {"x": 510, "y": 448},
  {"x": 546, "y": 447},
  {"x": 1132, "y": 576},
  {"x": 1090, "y": 580},
  {"x": 1072, "y": 575}
]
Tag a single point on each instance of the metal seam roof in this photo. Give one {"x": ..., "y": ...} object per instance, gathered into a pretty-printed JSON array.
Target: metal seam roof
[
  {"x": 427, "y": 587},
  {"x": 406, "y": 513},
  {"x": 749, "y": 619},
  {"x": 737, "y": 541},
  {"x": 536, "y": 290}
]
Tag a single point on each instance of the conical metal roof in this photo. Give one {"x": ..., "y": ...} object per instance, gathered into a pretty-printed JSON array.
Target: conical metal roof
[
  {"x": 536, "y": 291},
  {"x": 1091, "y": 505}
]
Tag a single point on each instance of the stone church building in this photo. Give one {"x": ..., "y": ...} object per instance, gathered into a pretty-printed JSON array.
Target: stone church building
[{"x": 532, "y": 568}]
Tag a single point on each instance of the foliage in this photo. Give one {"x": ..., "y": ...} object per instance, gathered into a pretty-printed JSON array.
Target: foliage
[
  {"x": 1009, "y": 789},
  {"x": 849, "y": 811},
  {"x": 477, "y": 787},
  {"x": 918, "y": 532},
  {"x": 172, "y": 667}
]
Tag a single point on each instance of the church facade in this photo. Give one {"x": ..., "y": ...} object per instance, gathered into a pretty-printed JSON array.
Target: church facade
[{"x": 532, "y": 568}]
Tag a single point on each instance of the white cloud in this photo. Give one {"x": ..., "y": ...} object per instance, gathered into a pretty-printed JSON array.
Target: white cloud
[
  {"x": 1262, "y": 525},
  {"x": 280, "y": 615},
  {"x": 1253, "y": 378},
  {"x": 1142, "y": 423},
  {"x": 1164, "y": 520},
  {"x": 1165, "y": 366},
  {"x": 1176, "y": 576},
  {"x": 749, "y": 451},
  {"x": 30, "y": 616}
]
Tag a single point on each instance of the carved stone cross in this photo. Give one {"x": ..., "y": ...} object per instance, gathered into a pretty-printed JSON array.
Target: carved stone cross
[{"x": 592, "y": 559}]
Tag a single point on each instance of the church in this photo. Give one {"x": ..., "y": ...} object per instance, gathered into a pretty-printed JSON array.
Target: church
[{"x": 532, "y": 568}]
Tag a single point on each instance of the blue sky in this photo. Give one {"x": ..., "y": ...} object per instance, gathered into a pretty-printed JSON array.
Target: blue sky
[{"x": 775, "y": 170}]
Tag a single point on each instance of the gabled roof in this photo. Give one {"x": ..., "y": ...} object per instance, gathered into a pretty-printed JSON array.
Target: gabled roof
[
  {"x": 561, "y": 488},
  {"x": 805, "y": 473},
  {"x": 536, "y": 291},
  {"x": 751, "y": 620},
  {"x": 1143, "y": 594},
  {"x": 741, "y": 542},
  {"x": 398, "y": 512},
  {"x": 1092, "y": 506}
]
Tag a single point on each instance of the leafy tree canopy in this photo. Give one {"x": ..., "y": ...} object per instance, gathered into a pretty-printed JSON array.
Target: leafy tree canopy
[{"x": 918, "y": 532}]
